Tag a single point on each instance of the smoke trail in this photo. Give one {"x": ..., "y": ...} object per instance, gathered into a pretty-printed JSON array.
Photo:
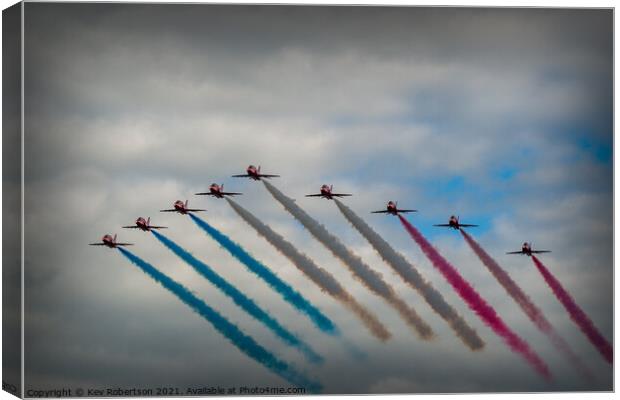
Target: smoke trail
[
  {"x": 370, "y": 278},
  {"x": 239, "y": 298},
  {"x": 242, "y": 341},
  {"x": 287, "y": 292},
  {"x": 318, "y": 275},
  {"x": 526, "y": 304},
  {"x": 411, "y": 275},
  {"x": 476, "y": 302},
  {"x": 576, "y": 313}
]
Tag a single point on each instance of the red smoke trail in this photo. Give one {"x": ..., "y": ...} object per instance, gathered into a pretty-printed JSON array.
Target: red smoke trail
[
  {"x": 576, "y": 313},
  {"x": 528, "y": 307},
  {"x": 476, "y": 302}
]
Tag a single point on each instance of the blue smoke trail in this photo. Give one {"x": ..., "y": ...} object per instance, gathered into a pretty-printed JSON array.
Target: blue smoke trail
[
  {"x": 239, "y": 298},
  {"x": 287, "y": 292},
  {"x": 242, "y": 341}
]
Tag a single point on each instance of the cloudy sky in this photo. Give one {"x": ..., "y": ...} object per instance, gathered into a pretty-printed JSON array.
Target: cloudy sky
[{"x": 501, "y": 116}]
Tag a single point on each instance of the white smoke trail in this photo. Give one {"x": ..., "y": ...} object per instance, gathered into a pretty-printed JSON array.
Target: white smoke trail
[
  {"x": 370, "y": 278},
  {"x": 318, "y": 275},
  {"x": 411, "y": 275}
]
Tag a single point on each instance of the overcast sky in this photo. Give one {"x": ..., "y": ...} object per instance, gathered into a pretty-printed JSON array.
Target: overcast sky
[{"x": 501, "y": 116}]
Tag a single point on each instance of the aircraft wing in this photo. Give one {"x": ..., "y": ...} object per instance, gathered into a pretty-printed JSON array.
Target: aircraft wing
[
  {"x": 380, "y": 212},
  {"x": 514, "y": 252},
  {"x": 158, "y": 227},
  {"x": 467, "y": 225},
  {"x": 241, "y": 176},
  {"x": 193, "y": 210},
  {"x": 96, "y": 244},
  {"x": 170, "y": 210},
  {"x": 314, "y": 195},
  {"x": 230, "y": 194},
  {"x": 446, "y": 225},
  {"x": 406, "y": 211},
  {"x": 268, "y": 176},
  {"x": 123, "y": 244},
  {"x": 340, "y": 194},
  {"x": 131, "y": 227},
  {"x": 205, "y": 194},
  {"x": 541, "y": 251}
]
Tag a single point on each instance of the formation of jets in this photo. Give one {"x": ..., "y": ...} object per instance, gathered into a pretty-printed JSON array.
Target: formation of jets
[{"x": 326, "y": 192}]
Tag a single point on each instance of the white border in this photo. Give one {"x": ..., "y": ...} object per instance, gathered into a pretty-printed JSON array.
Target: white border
[
  {"x": 22, "y": 214},
  {"x": 470, "y": 3}
]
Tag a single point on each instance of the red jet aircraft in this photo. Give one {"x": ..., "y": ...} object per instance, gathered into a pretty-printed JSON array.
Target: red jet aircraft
[
  {"x": 526, "y": 249},
  {"x": 181, "y": 208},
  {"x": 110, "y": 241},
  {"x": 254, "y": 173},
  {"x": 455, "y": 224},
  {"x": 216, "y": 190},
  {"x": 326, "y": 193},
  {"x": 144, "y": 224},
  {"x": 392, "y": 208}
]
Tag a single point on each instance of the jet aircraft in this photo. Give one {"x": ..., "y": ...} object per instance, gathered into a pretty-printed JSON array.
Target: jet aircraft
[
  {"x": 327, "y": 193},
  {"x": 110, "y": 241},
  {"x": 254, "y": 173},
  {"x": 144, "y": 225},
  {"x": 216, "y": 190},
  {"x": 455, "y": 224},
  {"x": 392, "y": 208},
  {"x": 181, "y": 208},
  {"x": 526, "y": 249}
]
